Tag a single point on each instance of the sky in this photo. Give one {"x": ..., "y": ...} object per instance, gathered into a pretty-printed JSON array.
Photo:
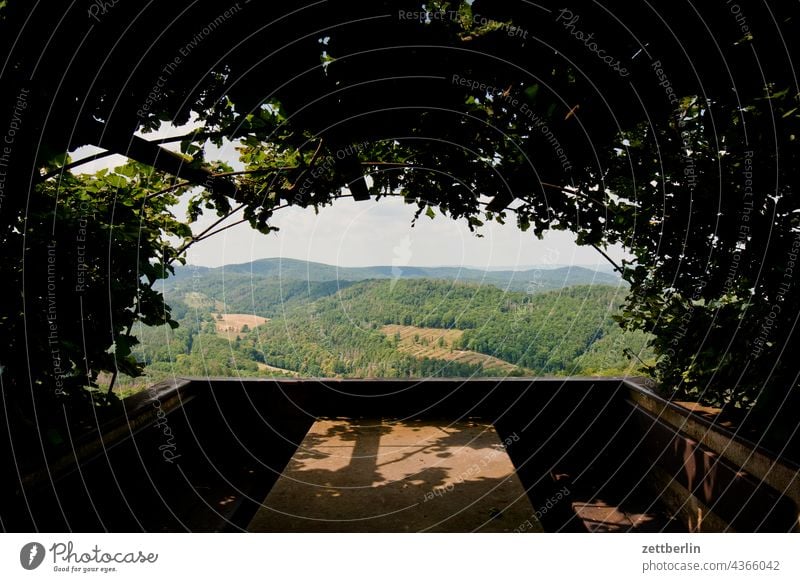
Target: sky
[
  {"x": 357, "y": 234},
  {"x": 350, "y": 233}
]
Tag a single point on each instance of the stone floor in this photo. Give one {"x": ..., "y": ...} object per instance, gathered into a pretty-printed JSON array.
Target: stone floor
[{"x": 373, "y": 475}]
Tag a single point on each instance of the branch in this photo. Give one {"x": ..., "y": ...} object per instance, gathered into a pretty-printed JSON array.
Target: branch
[
  {"x": 218, "y": 175},
  {"x": 310, "y": 165},
  {"x": 609, "y": 259},
  {"x": 202, "y": 235},
  {"x": 194, "y": 135},
  {"x": 167, "y": 189},
  {"x": 74, "y": 164},
  {"x": 158, "y": 158},
  {"x": 109, "y": 153},
  {"x": 210, "y": 234},
  {"x": 258, "y": 171}
]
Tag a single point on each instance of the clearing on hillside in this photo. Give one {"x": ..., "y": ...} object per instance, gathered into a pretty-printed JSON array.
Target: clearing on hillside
[
  {"x": 231, "y": 325},
  {"x": 434, "y": 343},
  {"x": 280, "y": 371}
]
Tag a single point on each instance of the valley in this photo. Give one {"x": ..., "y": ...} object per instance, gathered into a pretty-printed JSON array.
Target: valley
[{"x": 266, "y": 320}]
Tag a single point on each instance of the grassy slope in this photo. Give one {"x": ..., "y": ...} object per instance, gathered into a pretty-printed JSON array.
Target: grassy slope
[{"x": 440, "y": 344}]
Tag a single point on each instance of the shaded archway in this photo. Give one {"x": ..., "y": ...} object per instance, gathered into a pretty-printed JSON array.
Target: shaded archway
[{"x": 481, "y": 110}]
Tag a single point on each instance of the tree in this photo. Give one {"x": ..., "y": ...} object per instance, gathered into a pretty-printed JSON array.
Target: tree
[
  {"x": 714, "y": 273},
  {"x": 476, "y": 120},
  {"x": 88, "y": 241}
]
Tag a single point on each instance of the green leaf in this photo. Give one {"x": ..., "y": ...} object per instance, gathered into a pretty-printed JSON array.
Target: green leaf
[
  {"x": 115, "y": 181},
  {"x": 532, "y": 91},
  {"x": 128, "y": 170}
]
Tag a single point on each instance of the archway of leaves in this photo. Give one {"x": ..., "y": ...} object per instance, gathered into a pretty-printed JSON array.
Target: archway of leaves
[{"x": 670, "y": 129}]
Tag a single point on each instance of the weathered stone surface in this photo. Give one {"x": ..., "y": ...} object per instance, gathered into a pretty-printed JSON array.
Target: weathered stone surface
[{"x": 397, "y": 476}]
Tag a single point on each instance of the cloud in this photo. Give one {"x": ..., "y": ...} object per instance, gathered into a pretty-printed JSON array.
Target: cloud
[{"x": 352, "y": 233}]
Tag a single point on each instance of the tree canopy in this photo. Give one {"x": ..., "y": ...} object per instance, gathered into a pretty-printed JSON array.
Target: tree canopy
[{"x": 668, "y": 127}]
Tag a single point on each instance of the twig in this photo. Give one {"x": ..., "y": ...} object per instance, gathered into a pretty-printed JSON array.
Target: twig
[
  {"x": 210, "y": 234},
  {"x": 307, "y": 168},
  {"x": 202, "y": 235},
  {"x": 168, "y": 189},
  {"x": 609, "y": 259}
]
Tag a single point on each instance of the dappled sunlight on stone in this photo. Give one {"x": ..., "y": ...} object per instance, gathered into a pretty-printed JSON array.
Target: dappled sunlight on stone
[{"x": 379, "y": 475}]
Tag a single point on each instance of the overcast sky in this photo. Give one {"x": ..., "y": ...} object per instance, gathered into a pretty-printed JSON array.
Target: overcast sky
[
  {"x": 367, "y": 233},
  {"x": 379, "y": 233}
]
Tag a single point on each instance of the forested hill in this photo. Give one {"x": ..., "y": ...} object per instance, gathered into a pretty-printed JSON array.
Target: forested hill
[
  {"x": 388, "y": 328},
  {"x": 531, "y": 280},
  {"x": 545, "y": 333}
]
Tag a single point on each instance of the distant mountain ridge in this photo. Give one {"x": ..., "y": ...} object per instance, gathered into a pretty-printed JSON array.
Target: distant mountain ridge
[{"x": 531, "y": 280}]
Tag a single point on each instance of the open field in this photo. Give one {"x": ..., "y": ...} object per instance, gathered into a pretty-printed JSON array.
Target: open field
[
  {"x": 230, "y": 325},
  {"x": 434, "y": 343},
  {"x": 281, "y": 371}
]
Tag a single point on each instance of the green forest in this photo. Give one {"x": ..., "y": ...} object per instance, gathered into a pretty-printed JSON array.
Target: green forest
[{"x": 261, "y": 325}]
